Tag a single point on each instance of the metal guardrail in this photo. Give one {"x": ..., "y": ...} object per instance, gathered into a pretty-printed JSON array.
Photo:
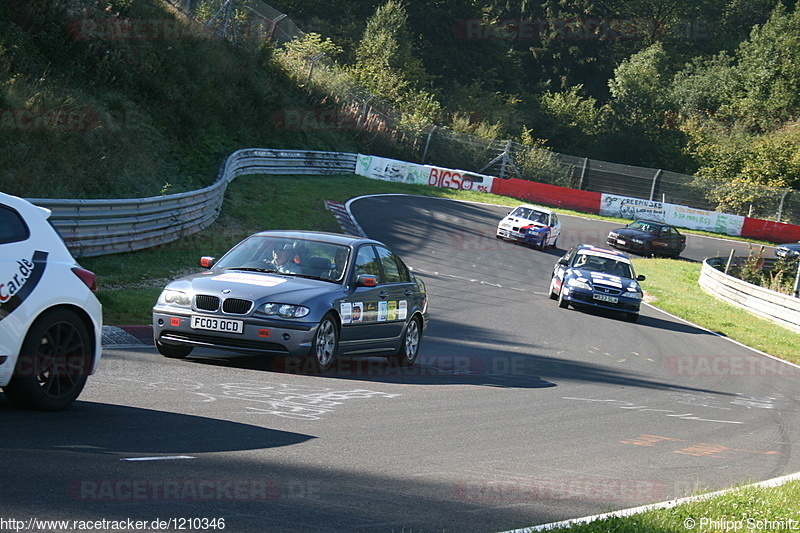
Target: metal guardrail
[
  {"x": 100, "y": 227},
  {"x": 774, "y": 306}
]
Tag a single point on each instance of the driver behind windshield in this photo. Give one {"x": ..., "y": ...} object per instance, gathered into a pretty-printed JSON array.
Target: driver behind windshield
[{"x": 286, "y": 259}]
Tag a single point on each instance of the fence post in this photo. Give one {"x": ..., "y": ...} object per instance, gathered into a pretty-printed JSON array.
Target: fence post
[
  {"x": 653, "y": 185},
  {"x": 583, "y": 172},
  {"x": 311, "y": 70},
  {"x": 427, "y": 143},
  {"x": 780, "y": 207},
  {"x": 274, "y": 27}
]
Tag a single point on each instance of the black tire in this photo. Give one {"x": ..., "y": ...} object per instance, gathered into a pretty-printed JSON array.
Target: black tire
[
  {"x": 553, "y": 293},
  {"x": 173, "y": 351},
  {"x": 409, "y": 347},
  {"x": 326, "y": 344},
  {"x": 55, "y": 359},
  {"x": 562, "y": 303}
]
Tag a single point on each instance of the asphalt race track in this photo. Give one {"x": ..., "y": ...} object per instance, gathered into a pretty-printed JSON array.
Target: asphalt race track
[{"x": 519, "y": 413}]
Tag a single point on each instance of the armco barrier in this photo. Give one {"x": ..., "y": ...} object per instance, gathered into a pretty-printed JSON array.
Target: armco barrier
[
  {"x": 779, "y": 308},
  {"x": 98, "y": 227}
]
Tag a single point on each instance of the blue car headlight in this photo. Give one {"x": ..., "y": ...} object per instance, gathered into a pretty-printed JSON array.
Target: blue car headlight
[
  {"x": 285, "y": 310},
  {"x": 579, "y": 283},
  {"x": 633, "y": 291}
]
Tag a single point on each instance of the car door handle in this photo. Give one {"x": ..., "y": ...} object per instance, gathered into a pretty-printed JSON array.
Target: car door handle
[
  {"x": 408, "y": 292},
  {"x": 383, "y": 294}
]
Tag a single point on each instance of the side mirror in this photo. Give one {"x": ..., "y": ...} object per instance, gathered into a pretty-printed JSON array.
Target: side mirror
[
  {"x": 640, "y": 277},
  {"x": 366, "y": 280},
  {"x": 207, "y": 261}
]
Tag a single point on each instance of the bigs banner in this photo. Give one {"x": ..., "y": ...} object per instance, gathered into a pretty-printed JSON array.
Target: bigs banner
[{"x": 385, "y": 169}]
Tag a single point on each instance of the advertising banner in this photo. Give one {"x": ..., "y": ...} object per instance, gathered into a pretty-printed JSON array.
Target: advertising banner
[
  {"x": 386, "y": 169},
  {"x": 678, "y": 215}
]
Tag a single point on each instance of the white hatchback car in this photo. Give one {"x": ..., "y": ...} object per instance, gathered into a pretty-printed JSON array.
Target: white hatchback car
[{"x": 50, "y": 320}]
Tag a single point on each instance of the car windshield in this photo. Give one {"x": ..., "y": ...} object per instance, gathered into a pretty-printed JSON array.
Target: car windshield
[
  {"x": 299, "y": 257},
  {"x": 530, "y": 214},
  {"x": 607, "y": 265},
  {"x": 652, "y": 229}
]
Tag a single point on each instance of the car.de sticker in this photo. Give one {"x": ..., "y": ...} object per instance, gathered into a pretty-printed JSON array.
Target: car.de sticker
[
  {"x": 402, "y": 310},
  {"x": 383, "y": 308},
  {"x": 392, "y": 310}
]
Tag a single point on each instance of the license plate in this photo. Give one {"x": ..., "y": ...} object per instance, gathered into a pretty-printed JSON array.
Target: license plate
[
  {"x": 217, "y": 324},
  {"x": 621, "y": 242},
  {"x": 605, "y": 298}
]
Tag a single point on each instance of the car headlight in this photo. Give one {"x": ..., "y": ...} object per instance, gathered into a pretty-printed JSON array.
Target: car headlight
[
  {"x": 579, "y": 283},
  {"x": 613, "y": 235},
  {"x": 175, "y": 298},
  {"x": 633, "y": 291},
  {"x": 285, "y": 310}
]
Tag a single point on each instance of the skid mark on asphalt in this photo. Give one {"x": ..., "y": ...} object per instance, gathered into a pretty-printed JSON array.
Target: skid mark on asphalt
[
  {"x": 671, "y": 413},
  {"x": 699, "y": 449}
]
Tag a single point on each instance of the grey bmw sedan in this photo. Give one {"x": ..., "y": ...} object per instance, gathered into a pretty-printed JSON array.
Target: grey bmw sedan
[{"x": 312, "y": 294}]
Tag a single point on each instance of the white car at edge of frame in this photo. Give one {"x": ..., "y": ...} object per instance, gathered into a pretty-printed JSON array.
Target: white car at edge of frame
[{"x": 50, "y": 320}]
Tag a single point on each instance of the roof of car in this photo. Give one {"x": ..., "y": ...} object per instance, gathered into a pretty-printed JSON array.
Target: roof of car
[
  {"x": 333, "y": 238},
  {"x": 603, "y": 252},
  {"x": 23, "y": 205},
  {"x": 536, "y": 207},
  {"x": 648, "y": 221}
]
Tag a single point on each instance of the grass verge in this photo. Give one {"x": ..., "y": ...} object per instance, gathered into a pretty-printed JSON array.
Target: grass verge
[
  {"x": 741, "y": 510},
  {"x": 674, "y": 286}
]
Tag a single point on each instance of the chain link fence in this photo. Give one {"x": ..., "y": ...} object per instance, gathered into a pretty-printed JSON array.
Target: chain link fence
[{"x": 251, "y": 23}]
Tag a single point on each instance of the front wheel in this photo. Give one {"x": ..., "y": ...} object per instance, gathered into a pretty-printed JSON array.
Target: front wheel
[
  {"x": 173, "y": 351},
  {"x": 409, "y": 347},
  {"x": 562, "y": 302},
  {"x": 326, "y": 343},
  {"x": 553, "y": 293},
  {"x": 53, "y": 364}
]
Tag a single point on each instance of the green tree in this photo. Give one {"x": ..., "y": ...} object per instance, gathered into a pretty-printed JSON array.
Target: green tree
[
  {"x": 769, "y": 67},
  {"x": 639, "y": 88},
  {"x": 387, "y": 67}
]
